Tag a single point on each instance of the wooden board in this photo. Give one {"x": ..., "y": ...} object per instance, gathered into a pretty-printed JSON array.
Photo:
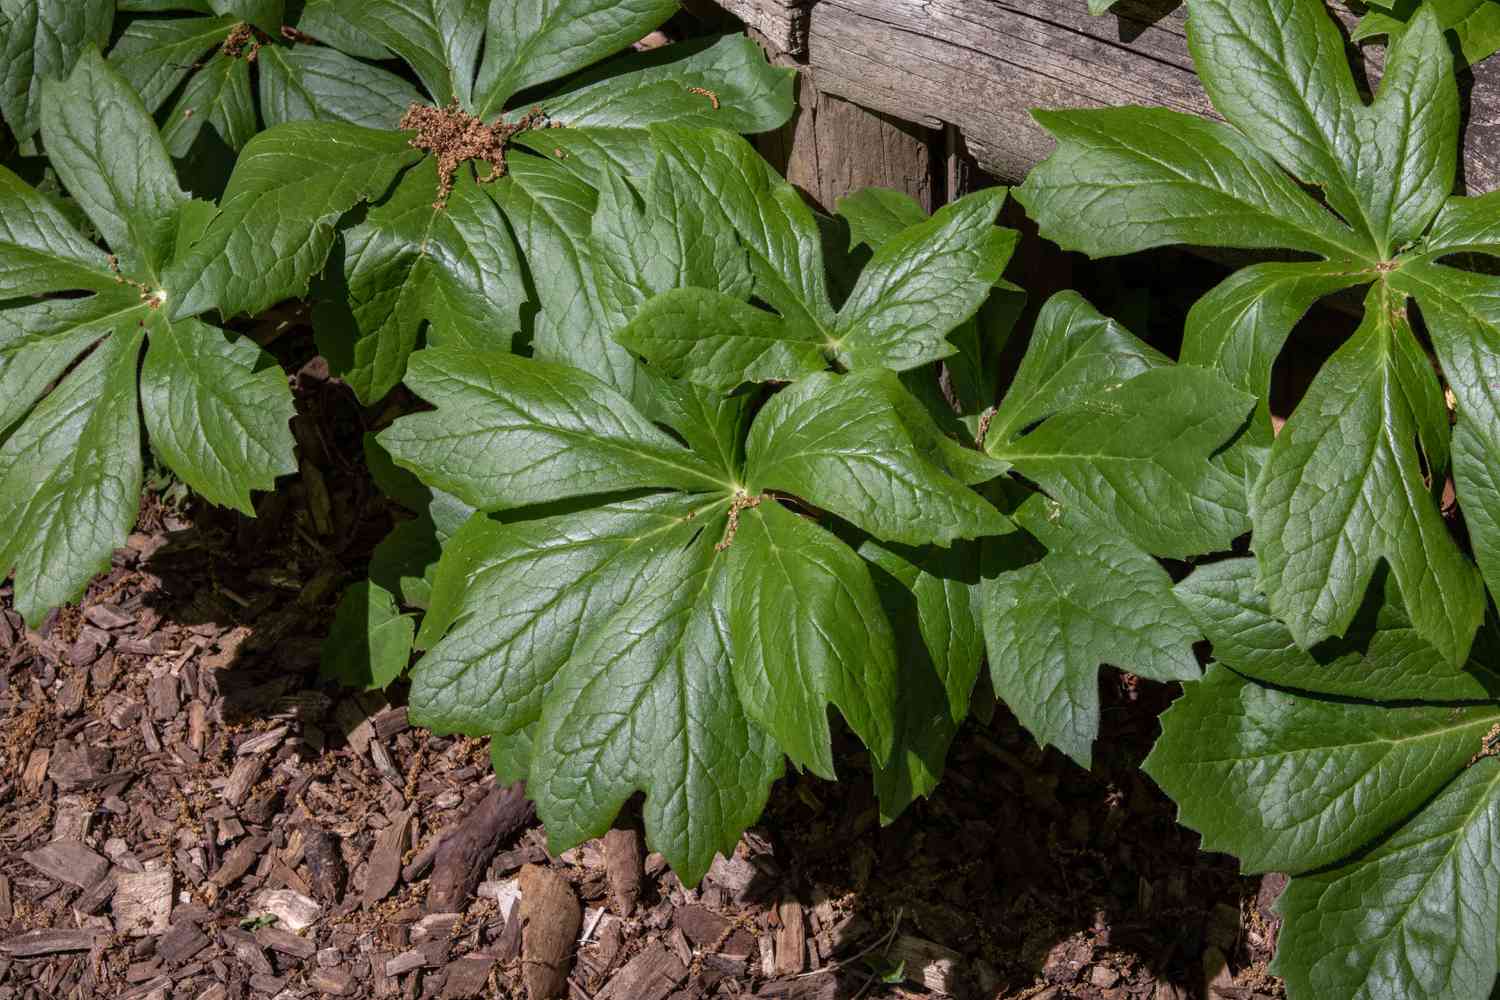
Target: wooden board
[
  {"x": 833, "y": 147},
  {"x": 981, "y": 65}
]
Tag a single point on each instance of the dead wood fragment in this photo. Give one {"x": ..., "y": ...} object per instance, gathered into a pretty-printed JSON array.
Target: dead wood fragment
[
  {"x": 384, "y": 870},
  {"x": 623, "y": 863},
  {"x": 324, "y": 863},
  {"x": 791, "y": 939},
  {"x": 467, "y": 977},
  {"x": 285, "y": 942},
  {"x": 49, "y": 942},
  {"x": 460, "y": 861},
  {"x": 68, "y": 861},
  {"x": 240, "y": 859},
  {"x": 550, "y": 919},
  {"x": 651, "y": 975},
  {"x": 143, "y": 902},
  {"x": 181, "y": 942}
]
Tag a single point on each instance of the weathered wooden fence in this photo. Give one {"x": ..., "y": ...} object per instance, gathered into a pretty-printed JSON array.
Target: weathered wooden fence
[{"x": 940, "y": 73}]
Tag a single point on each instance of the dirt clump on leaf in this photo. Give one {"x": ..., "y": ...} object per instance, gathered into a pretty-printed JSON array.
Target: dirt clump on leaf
[{"x": 455, "y": 136}]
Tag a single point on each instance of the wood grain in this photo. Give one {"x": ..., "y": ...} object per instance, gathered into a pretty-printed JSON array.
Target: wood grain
[{"x": 981, "y": 65}]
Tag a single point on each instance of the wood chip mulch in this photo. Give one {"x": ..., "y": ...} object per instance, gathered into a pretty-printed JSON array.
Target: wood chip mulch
[{"x": 187, "y": 812}]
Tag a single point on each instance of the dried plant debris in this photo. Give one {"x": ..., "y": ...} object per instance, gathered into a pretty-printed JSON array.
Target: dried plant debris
[
  {"x": 455, "y": 136},
  {"x": 244, "y": 41}
]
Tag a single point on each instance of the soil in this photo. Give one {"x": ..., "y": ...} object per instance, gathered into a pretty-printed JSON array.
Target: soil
[{"x": 186, "y": 811}]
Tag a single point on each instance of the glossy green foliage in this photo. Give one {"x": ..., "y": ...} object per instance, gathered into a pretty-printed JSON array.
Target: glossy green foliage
[
  {"x": 682, "y": 562},
  {"x": 1353, "y": 482},
  {"x": 453, "y": 266},
  {"x": 1345, "y": 733},
  {"x": 1364, "y": 772},
  {"x": 1473, "y": 24},
  {"x": 74, "y": 385},
  {"x": 237, "y": 66}
]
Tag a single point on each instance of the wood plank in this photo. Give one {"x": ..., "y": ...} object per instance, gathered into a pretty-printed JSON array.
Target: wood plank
[
  {"x": 832, "y": 147},
  {"x": 981, "y": 65}
]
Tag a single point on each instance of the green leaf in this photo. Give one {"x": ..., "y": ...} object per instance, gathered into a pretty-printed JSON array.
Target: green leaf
[
  {"x": 103, "y": 145},
  {"x": 551, "y": 213},
  {"x": 330, "y": 23},
  {"x": 70, "y": 478},
  {"x": 647, "y": 702},
  {"x": 1413, "y": 917},
  {"x": 536, "y": 41},
  {"x": 275, "y": 225},
  {"x": 726, "y": 181},
  {"x": 1130, "y": 454},
  {"x": 877, "y": 214},
  {"x": 718, "y": 341},
  {"x": 808, "y": 630},
  {"x": 1465, "y": 225},
  {"x": 218, "y": 410},
  {"x": 439, "y": 39},
  {"x": 218, "y": 95},
  {"x": 155, "y": 56},
  {"x": 264, "y": 14},
  {"x": 313, "y": 83},
  {"x": 1240, "y": 326},
  {"x": 1279, "y": 73},
  {"x": 447, "y": 512},
  {"x": 924, "y": 282},
  {"x": 1383, "y": 657},
  {"x": 40, "y": 40},
  {"x": 643, "y": 245},
  {"x": 1474, "y": 24},
  {"x": 1292, "y": 783},
  {"x": 1462, "y": 312},
  {"x": 405, "y": 561},
  {"x": 712, "y": 424},
  {"x": 40, "y": 250},
  {"x": 39, "y": 340},
  {"x": 410, "y": 263},
  {"x": 744, "y": 92},
  {"x": 931, "y": 597},
  {"x": 1128, "y": 179},
  {"x": 1343, "y": 488},
  {"x": 518, "y": 599},
  {"x": 511, "y": 431},
  {"x": 1074, "y": 354},
  {"x": 839, "y": 442},
  {"x": 370, "y": 639},
  {"x": 1092, "y": 599}
]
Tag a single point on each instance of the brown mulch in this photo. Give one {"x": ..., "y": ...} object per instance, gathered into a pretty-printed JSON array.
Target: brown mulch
[{"x": 187, "y": 812}]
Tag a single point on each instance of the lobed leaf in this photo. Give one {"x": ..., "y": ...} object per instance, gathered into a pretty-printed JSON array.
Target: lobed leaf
[
  {"x": 647, "y": 703},
  {"x": 1292, "y": 783},
  {"x": 276, "y": 219},
  {"x": 807, "y": 630},
  {"x": 103, "y": 145},
  {"x": 70, "y": 477},
  {"x": 217, "y": 409},
  {"x": 1343, "y": 488},
  {"x": 839, "y": 442},
  {"x": 511, "y": 431},
  {"x": 1092, "y": 599}
]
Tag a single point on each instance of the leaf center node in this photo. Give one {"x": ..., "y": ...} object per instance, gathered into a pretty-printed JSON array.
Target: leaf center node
[
  {"x": 741, "y": 501},
  {"x": 454, "y": 136}
]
